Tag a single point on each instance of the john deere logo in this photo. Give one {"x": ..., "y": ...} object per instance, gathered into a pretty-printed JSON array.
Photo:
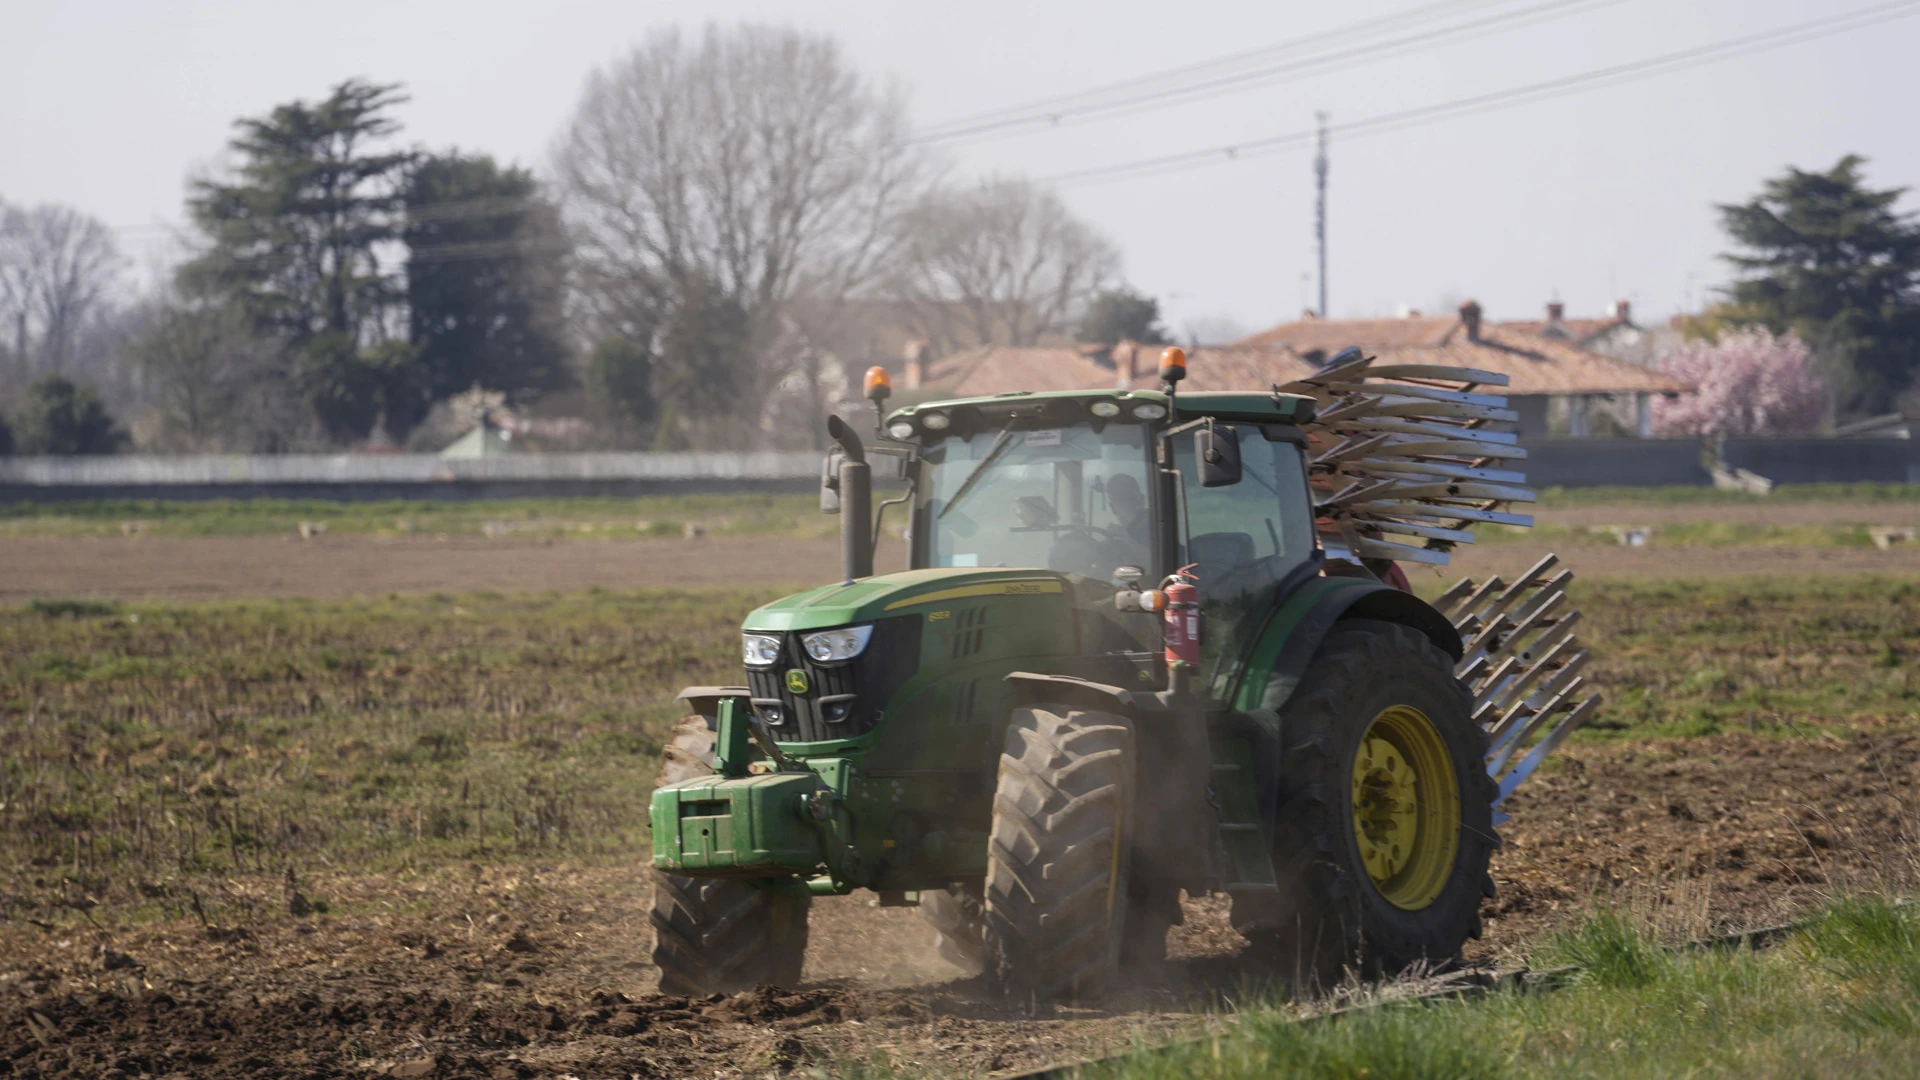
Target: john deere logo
[{"x": 797, "y": 681}]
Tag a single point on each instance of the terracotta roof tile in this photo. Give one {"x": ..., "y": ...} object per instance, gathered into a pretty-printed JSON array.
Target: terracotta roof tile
[
  {"x": 1332, "y": 335},
  {"x": 1533, "y": 363}
]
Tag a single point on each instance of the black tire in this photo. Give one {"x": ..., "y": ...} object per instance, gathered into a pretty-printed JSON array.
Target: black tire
[
  {"x": 1330, "y": 915},
  {"x": 1056, "y": 901},
  {"x": 721, "y": 935},
  {"x": 957, "y": 915}
]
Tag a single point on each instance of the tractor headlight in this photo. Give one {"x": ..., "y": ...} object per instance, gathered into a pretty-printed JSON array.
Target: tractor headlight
[
  {"x": 842, "y": 644},
  {"x": 936, "y": 421},
  {"x": 759, "y": 650},
  {"x": 1149, "y": 411},
  {"x": 900, "y": 429},
  {"x": 1105, "y": 410}
]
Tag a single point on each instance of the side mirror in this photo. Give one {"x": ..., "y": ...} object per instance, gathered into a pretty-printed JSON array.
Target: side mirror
[
  {"x": 830, "y": 484},
  {"x": 1218, "y": 451}
]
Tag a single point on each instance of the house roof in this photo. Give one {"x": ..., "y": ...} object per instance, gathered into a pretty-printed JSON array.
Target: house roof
[
  {"x": 1580, "y": 331},
  {"x": 1534, "y": 363}
]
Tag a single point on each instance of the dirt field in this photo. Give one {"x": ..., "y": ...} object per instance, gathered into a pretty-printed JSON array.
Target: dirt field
[
  {"x": 497, "y": 968},
  {"x": 543, "y": 973},
  {"x": 171, "y": 568}
]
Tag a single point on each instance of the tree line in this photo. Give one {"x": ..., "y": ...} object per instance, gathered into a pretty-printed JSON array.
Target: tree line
[
  {"x": 735, "y": 219},
  {"x": 733, "y": 223}
]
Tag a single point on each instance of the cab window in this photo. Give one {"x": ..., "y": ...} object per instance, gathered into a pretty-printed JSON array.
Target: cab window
[{"x": 1244, "y": 538}]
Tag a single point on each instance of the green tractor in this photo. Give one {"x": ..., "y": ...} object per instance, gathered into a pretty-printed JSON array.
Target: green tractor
[{"x": 1148, "y": 642}]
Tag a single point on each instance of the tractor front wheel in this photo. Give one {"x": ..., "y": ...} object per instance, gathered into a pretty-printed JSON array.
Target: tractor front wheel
[
  {"x": 1384, "y": 828},
  {"x": 722, "y": 935},
  {"x": 1057, "y": 862}
]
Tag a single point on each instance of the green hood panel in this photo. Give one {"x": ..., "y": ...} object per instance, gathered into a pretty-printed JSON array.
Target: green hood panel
[{"x": 894, "y": 594}]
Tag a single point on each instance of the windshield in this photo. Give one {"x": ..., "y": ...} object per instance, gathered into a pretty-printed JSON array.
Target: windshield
[{"x": 1071, "y": 499}]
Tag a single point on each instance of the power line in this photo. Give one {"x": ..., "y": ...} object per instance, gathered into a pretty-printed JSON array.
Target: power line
[
  {"x": 1045, "y": 106},
  {"x": 1612, "y": 75},
  {"x": 1137, "y": 96}
]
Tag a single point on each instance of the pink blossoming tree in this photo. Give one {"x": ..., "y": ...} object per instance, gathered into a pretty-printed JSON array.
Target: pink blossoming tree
[{"x": 1747, "y": 383}]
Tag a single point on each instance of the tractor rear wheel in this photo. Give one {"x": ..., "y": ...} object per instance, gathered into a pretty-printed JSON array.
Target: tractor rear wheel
[
  {"x": 1384, "y": 826},
  {"x": 1056, "y": 895},
  {"x": 721, "y": 935},
  {"x": 956, "y": 913}
]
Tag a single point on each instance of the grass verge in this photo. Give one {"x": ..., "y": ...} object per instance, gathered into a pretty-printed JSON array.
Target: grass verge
[
  {"x": 557, "y": 518},
  {"x": 1841, "y": 998}
]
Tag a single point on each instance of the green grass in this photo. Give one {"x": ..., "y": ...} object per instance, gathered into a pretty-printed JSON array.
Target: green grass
[
  {"x": 571, "y": 518},
  {"x": 1555, "y": 498},
  {"x": 798, "y": 515},
  {"x": 1690, "y": 534},
  {"x": 1787, "y": 657},
  {"x": 1839, "y": 999}
]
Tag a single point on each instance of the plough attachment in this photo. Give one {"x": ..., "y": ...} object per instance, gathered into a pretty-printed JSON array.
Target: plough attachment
[
  {"x": 1522, "y": 663},
  {"x": 1408, "y": 451},
  {"x": 1411, "y": 452}
]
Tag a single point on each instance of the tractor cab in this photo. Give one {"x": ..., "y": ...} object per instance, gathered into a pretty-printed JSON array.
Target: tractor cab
[{"x": 1124, "y": 489}]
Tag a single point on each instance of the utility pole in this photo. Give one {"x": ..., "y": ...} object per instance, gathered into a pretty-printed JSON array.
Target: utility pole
[{"x": 1320, "y": 202}]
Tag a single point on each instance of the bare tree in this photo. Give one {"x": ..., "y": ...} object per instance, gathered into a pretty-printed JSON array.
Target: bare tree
[
  {"x": 58, "y": 267},
  {"x": 751, "y": 160},
  {"x": 211, "y": 381},
  {"x": 1003, "y": 261}
]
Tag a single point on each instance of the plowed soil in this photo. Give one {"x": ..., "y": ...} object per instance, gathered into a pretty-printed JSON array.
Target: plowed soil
[
  {"x": 205, "y": 568},
  {"x": 543, "y": 973}
]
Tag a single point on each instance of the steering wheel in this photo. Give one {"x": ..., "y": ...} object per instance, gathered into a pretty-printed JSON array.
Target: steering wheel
[{"x": 1090, "y": 550}]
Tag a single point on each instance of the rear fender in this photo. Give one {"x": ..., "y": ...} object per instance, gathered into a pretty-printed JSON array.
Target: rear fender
[{"x": 1284, "y": 650}]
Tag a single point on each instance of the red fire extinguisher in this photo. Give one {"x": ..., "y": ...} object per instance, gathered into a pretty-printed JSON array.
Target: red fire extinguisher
[{"x": 1182, "y": 630}]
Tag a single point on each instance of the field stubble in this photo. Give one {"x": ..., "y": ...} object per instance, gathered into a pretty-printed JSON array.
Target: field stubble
[{"x": 370, "y": 832}]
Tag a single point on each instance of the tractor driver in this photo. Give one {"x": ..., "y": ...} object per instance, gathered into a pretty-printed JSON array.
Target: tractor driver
[
  {"x": 1126, "y": 542},
  {"x": 1129, "y": 506}
]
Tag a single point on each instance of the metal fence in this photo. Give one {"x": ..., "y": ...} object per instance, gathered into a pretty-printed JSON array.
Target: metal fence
[
  {"x": 391, "y": 476},
  {"x": 353, "y": 477}
]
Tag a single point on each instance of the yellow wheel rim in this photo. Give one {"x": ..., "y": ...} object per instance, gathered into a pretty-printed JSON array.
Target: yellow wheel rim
[{"x": 1406, "y": 807}]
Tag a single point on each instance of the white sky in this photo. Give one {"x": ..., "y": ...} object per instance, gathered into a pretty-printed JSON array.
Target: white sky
[{"x": 1601, "y": 195}]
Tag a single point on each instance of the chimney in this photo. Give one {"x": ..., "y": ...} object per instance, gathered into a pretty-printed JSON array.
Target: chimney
[
  {"x": 1122, "y": 355},
  {"x": 1622, "y": 311},
  {"x": 1470, "y": 318},
  {"x": 916, "y": 358},
  {"x": 1556, "y": 320}
]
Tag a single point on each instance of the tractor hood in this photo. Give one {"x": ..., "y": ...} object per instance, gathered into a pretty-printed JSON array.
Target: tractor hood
[{"x": 908, "y": 591}]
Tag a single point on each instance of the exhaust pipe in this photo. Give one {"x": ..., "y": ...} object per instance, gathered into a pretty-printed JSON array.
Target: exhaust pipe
[{"x": 856, "y": 502}]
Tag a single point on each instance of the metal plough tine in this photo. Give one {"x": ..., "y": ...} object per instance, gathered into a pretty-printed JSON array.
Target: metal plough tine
[
  {"x": 1472, "y": 670},
  {"x": 1526, "y": 718},
  {"x": 1544, "y": 747},
  {"x": 1473, "y": 601},
  {"x": 1526, "y": 623},
  {"x": 1514, "y": 694},
  {"x": 1431, "y": 532},
  {"x": 1550, "y": 638},
  {"x": 1483, "y": 701},
  {"x": 1526, "y": 580},
  {"x": 1546, "y": 700},
  {"x": 1500, "y": 623},
  {"x": 1445, "y": 601},
  {"x": 1535, "y": 720},
  {"x": 1548, "y": 594}
]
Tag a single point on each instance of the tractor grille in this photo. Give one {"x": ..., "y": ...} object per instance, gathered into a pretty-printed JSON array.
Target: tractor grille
[{"x": 842, "y": 699}]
